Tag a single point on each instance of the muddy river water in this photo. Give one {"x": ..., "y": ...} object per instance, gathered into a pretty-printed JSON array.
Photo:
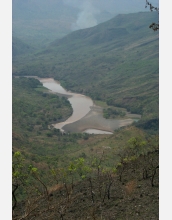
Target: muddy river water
[
  {"x": 86, "y": 116},
  {"x": 81, "y": 104}
]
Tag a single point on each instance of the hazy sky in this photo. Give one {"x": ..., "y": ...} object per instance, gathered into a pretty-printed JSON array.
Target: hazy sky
[
  {"x": 90, "y": 8},
  {"x": 113, "y": 6},
  {"x": 88, "y": 12}
]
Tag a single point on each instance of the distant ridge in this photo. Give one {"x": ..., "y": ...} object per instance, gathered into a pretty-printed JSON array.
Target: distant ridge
[{"x": 119, "y": 25}]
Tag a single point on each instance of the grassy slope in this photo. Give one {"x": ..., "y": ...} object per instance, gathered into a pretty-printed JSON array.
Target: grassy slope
[{"x": 116, "y": 61}]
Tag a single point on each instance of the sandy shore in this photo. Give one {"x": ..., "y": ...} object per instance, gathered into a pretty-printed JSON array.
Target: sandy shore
[{"x": 94, "y": 120}]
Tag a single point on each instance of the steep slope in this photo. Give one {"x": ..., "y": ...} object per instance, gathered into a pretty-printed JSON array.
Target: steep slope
[{"x": 135, "y": 24}]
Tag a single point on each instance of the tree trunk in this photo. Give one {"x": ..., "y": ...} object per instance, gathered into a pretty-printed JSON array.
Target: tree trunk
[{"x": 14, "y": 196}]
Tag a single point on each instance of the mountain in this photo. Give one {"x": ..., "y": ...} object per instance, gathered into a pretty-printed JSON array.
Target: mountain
[
  {"x": 116, "y": 61},
  {"x": 40, "y": 22}
]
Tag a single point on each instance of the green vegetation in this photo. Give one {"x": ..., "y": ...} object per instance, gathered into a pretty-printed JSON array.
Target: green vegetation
[
  {"x": 113, "y": 113},
  {"x": 34, "y": 110},
  {"x": 20, "y": 48},
  {"x": 91, "y": 187}
]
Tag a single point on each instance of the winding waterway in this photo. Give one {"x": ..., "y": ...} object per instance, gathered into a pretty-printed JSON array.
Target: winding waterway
[
  {"x": 86, "y": 116},
  {"x": 80, "y": 103}
]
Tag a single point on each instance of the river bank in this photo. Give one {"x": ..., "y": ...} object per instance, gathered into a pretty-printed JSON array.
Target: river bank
[{"x": 86, "y": 115}]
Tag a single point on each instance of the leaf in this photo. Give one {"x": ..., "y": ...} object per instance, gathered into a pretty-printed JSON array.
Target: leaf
[
  {"x": 34, "y": 169},
  {"x": 17, "y": 154}
]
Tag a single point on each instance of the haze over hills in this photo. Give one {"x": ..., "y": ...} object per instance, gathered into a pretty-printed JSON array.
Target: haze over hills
[
  {"x": 116, "y": 61},
  {"x": 39, "y": 22}
]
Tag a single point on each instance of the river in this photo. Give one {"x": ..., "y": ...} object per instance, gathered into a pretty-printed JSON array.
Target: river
[
  {"x": 80, "y": 103},
  {"x": 86, "y": 116}
]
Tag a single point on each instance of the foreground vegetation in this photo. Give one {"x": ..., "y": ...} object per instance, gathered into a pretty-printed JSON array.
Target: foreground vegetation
[{"x": 92, "y": 188}]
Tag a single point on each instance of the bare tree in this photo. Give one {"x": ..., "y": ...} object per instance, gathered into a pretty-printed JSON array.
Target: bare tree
[{"x": 154, "y": 26}]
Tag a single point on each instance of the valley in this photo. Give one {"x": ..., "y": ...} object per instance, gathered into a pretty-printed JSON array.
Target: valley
[{"x": 60, "y": 161}]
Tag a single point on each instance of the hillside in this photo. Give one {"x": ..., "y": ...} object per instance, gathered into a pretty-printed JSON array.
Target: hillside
[
  {"x": 20, "y": 48},
  {"x": 116, "y": 61},
  {"x": 88, "y": 189}
]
